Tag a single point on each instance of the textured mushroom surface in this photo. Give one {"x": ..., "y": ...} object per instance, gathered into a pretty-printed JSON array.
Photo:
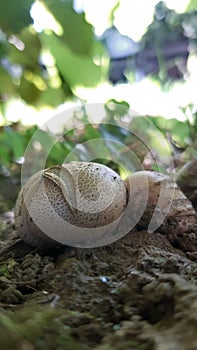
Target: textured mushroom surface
[
  {"x": 87, "y": 195},
  {"x": 166, "y": 207}
]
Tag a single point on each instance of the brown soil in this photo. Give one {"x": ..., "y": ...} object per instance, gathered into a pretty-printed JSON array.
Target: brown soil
[{"x": 137, "y": 293}]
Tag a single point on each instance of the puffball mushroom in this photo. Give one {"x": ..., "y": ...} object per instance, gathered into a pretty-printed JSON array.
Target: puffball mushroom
[
  {"x": 167, "y": 208},
  {"x": 79, "y": 201},
  {"x": 82, "y": 194}
]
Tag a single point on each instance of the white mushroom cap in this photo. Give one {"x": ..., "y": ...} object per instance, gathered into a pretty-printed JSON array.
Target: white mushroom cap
[{"x": 76, "y": 194}]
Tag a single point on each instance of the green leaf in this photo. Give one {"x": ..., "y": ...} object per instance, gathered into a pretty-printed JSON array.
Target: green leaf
[
  {"x": 5, "y": 158},
  {"x": 116, "y": 108},
  {"x": 28, "y": 91},
  {"x": 58, "y": 153},
  {"x": 178, "y": 130},
  {"x": 29, "y": 56},
  {"x": 90, "y": 133},
  {"x": 14, "y": 15},
  {"x": 12, "y": 145},
  {"x": 192, "y": 6},
  {"x": 6, "y": 84},
  {"x": 76, "y": 70},
  {"x": 15, "y": 141},
  {"x": 52, "y": 97},
  {"x": 3, "y": 44},
  {"x": 78, "y": 34}
]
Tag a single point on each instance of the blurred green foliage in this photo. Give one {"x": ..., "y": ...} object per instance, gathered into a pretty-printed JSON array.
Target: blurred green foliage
[
  {"x": 14, "y": 16},
  {"x": 192, "y": 5},
  {"x": 125, "y": 145},
  {"x": 167, "y": 44},
  {"x": 45, "y": 68},
  {"x": 43, "y": 328}
]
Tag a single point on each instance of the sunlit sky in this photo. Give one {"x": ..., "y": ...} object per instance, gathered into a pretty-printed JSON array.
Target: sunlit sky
[
  {"x": 145, "y": 97},
  {"x": 131, "y": 17}
]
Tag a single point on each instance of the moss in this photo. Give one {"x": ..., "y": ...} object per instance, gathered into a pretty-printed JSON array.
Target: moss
[
  {"x": 40, "y": 328},
  {"x": 7, "y": 268},
  {"x": 123, "y": 345}
]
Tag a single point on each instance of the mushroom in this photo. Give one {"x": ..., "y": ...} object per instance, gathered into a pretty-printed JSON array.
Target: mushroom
[
  {"x": 167, "y": 209},
  {"x": 65, "y": 201},
  {"x": 83, "y": 204}
]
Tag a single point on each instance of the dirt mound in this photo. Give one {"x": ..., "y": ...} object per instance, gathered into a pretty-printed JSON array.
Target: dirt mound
[{"x": 138, "y": 293}]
